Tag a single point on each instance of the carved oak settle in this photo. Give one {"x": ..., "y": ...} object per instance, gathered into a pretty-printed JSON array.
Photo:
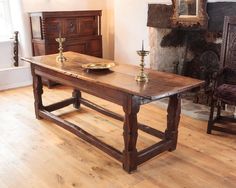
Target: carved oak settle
[{"x": 225, "y": 80}]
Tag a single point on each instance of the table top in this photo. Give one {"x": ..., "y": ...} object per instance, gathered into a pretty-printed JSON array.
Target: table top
[{"x": 121, "y": 77}]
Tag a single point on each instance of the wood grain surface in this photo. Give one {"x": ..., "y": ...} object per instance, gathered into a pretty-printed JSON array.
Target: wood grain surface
[
  {"x": 121, "y": 77},
  {"x": 41, "y": 155}
]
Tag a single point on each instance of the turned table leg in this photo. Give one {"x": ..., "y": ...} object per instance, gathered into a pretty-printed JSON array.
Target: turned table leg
[
  {"x": 130, "y": 134},
  {"x": 77, "y": 95},
  {"x": 173, "y": 117},
  {"x": 38, "y": 91}
]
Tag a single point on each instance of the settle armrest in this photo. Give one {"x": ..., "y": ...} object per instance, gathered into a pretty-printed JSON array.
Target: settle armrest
[{"x": 218, "y": 76}]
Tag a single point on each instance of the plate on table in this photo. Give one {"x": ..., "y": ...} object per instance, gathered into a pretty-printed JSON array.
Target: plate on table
[{"x": 98, "y": 66}]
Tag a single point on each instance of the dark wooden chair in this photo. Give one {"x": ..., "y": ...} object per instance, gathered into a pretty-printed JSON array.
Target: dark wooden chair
[{"x": 225, "y": 80}]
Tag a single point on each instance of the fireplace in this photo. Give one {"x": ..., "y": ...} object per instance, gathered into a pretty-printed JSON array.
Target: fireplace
[{"x": 190, "y": 52}]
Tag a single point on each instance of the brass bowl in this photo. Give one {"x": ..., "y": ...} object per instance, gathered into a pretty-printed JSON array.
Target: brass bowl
[{"x": 97, "y": 66}]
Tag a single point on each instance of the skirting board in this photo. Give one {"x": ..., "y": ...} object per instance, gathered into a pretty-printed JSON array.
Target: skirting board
[{"x": 15, "y": 85}]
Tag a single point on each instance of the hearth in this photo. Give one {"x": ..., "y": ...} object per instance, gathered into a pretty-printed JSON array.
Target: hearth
[{"x": 187, "y": 51}]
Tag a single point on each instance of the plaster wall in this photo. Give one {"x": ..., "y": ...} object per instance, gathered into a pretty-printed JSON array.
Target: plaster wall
[{"x": 131, "y": 28}]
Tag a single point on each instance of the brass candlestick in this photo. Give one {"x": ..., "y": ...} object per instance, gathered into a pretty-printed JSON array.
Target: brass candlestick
[
  {"x": 142, "y": 77},
  {"x": 61, "y": 58}
]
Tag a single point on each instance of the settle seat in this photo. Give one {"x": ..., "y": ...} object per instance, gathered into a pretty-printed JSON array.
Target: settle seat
[{"x": 226, "y": 93}]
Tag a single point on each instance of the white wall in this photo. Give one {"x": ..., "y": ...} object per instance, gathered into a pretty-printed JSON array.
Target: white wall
[
  {"x": 131, "y": 28},
  {"x": 19, "y": 23},
  {"x": 110, "y": 27},
  {"x": 6, "y": 51},
  {"x": 66, "y": 5}
]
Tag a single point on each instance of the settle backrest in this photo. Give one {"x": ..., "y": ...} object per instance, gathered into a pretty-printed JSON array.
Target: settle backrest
[{"x": 228, "y": 50}]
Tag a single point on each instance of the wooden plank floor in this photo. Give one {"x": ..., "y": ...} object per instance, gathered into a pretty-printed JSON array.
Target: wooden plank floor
[{"x": 39, "y": 154}]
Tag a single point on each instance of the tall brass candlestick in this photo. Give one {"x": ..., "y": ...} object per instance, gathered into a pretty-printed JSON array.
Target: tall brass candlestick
[
  {"x": 142, "y": 77},
  {"x": 61, "y": 58}
]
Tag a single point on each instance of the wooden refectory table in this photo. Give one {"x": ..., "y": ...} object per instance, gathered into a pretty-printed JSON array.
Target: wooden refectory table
[{"x": 118, "y": 86}]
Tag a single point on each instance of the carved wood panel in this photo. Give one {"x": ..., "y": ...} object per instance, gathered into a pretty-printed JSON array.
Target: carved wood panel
[
  {"x": 230, "y": 46},
  {"x": 53, "y": 27},
  {"x": 87, "y": 26},
  {"x": 70, "y": 26},
  {"x": 76, "y": 47},
  {"x": 228, "y": 50},
  {"x": 231, "y": 59}
]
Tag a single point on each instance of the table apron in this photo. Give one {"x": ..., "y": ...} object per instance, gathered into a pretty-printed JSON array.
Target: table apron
[{"x": 107, "y": 93}]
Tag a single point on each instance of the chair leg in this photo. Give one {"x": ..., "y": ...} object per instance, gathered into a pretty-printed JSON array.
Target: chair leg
[
  {"x": 210, "y": 121},
  {"x": 218, "y": 110}
]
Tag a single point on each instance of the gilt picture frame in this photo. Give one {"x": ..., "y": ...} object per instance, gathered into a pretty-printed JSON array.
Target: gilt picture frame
[{"x": 189, "y": 14}]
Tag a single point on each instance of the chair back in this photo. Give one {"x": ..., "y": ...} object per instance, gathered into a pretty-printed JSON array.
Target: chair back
[{"x": 228, "y": 49}]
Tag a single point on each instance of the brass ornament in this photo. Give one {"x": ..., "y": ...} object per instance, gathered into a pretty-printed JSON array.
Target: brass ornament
[
  {"x": 142, "y": 76},
  {"x": 98, "y": 66},
  {"x": 60, "y": 58}
]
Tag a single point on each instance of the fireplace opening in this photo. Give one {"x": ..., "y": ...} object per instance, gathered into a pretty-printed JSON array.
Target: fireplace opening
[{"x": 190, "y": 52}]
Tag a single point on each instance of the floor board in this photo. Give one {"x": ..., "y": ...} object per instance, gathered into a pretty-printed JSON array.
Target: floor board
[{"x": 39, "y": 154}]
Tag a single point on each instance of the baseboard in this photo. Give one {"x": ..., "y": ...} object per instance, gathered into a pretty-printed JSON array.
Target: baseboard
[{"x": 15, "y": 85}]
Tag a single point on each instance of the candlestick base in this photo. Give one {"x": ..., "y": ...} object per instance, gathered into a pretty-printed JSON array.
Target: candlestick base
[
  {"x": 141, "y": 78},
  {"x": 61, "y": 59}
]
